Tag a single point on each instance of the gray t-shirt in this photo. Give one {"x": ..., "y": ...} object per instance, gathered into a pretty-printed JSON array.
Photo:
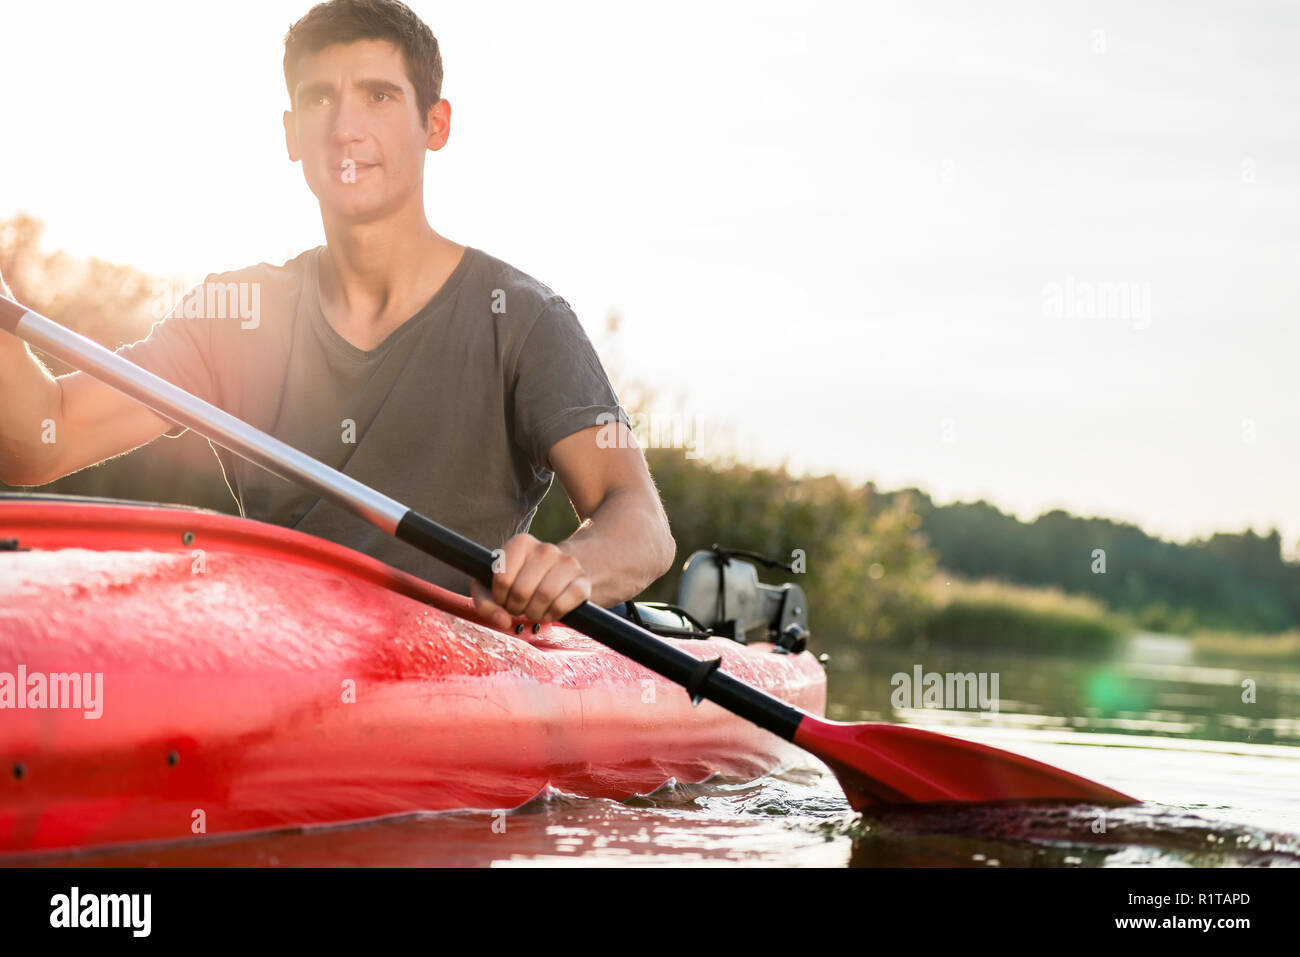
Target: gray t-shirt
[{"x": 453, "y": 414}]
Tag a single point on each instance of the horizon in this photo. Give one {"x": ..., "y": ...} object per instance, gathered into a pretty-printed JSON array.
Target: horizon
[{"x": 1043, "y": 264}]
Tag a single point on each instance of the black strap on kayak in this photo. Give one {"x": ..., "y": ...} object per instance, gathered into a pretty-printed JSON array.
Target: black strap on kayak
[
  {"x": 726, "y": 553},
  {"x": 721, "y": 556},
  {"x": 627, "y": 609},
  {"x": 633, "y": 612}
]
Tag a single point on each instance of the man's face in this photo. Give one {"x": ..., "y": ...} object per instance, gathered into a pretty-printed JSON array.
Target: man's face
[{"x": 355, "y": 126}]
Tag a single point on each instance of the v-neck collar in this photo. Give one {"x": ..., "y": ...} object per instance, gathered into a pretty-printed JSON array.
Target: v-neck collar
[{"x": 444, "y": 294}]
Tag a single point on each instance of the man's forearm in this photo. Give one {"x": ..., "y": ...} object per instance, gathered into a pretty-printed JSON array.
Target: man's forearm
[
  {"x": 624, "y": 546},
  {"x": 30, "y": 403}
]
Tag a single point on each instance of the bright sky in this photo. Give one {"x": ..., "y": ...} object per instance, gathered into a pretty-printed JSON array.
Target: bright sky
[{"x": 876, "y": 239}]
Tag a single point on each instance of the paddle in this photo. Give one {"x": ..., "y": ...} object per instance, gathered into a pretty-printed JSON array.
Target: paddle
[{"x": 875, "y": 763}]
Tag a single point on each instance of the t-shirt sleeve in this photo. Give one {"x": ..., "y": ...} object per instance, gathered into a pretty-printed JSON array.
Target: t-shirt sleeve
[
  {"x": 560, "y": 386},
  {"x": 178, "y": 349}
]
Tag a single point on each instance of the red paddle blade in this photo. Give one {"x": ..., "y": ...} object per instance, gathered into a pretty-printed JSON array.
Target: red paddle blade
[{"x": 896, "y": 764}]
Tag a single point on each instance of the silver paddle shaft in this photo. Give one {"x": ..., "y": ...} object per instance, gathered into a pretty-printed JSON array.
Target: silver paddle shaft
[{"x": 184, "y": 409}]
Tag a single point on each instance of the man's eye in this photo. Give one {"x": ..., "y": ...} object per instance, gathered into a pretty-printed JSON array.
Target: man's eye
[{"x": 384, "y": 95}]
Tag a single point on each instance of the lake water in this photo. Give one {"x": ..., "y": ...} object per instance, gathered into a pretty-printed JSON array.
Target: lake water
[{"x": 1219, "y": 778}]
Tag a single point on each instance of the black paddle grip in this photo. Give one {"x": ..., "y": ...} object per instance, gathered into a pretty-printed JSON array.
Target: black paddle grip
[{"x": 702, "y": 680}]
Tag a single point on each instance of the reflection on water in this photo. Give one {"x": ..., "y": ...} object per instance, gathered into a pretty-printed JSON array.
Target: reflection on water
[
  {"x": 1216, "y": 770},
  {"x": 1061, "y": 835},
  {"x": 1153, "y": 686},
  {"x": 788, "y": 819}
]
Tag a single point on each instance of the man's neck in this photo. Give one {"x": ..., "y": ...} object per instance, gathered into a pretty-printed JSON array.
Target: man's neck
[{"x": 375, "y": 276}]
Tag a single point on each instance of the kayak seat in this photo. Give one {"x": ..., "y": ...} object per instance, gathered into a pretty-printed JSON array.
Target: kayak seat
[{"x": 720, "y": 595}]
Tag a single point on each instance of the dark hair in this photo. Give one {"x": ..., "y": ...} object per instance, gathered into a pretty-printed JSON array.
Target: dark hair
[{"x": 346, "y": 21}]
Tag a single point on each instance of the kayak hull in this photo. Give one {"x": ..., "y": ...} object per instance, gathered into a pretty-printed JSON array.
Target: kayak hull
[{"x": 176, "y": 674}]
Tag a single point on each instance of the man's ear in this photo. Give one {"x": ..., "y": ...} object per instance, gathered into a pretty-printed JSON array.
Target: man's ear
[
  {"x": 439, "y": 124},
  {"x": 291, "y": 136}
]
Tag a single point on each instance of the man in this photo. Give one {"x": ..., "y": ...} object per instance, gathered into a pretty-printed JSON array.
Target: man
[{"x": 430, "y": 370}]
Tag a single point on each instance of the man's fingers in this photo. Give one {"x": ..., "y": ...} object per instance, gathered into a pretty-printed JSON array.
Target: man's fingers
[
  {"x": 578, "y": 591},
  {"x": 564, "y": 589},
  {"x": 540, "y": 562},
  {"x": 535, "y": 580},
  {"x": 553, "y": 584},
  {"x": 514, "y": 558},
  {"x": 488, "y": 609}
]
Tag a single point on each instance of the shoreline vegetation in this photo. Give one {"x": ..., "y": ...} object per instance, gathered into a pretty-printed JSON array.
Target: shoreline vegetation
[
  {"x": 881, "y": 566},
  {"x": 1223, "y": 645},
  {"x": 996, "y": 614}
]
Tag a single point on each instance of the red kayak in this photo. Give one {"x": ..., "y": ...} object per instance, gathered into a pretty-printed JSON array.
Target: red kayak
[{"x": 167, "y": 674}]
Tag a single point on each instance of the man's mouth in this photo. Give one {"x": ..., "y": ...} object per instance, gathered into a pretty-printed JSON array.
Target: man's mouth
[{"x": 349, "y": 171}]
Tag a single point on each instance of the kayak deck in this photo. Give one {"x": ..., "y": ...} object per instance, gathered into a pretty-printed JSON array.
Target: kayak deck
[{"x": 249, "y": 677}]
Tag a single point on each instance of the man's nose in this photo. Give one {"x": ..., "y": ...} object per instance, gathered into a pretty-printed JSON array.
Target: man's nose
[{"x": 349, "y": 120}]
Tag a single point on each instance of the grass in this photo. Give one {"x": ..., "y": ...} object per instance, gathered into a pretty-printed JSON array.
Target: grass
[
  {"x": 993, "y": 614},
  {"x": 1227, "y": 644}
]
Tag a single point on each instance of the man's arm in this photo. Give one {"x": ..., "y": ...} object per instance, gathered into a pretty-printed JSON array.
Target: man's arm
[
  {"x": 624, "y": 540},
  {"x": 51, "y": 427},
  {"x": 623, "y": 544}
]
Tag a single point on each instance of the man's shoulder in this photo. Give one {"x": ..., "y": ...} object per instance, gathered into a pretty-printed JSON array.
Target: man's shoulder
[
  {"x": 287, "y": 274},
  {"x": 249, "y": 293},
  {"x": 511, "y": 292}
]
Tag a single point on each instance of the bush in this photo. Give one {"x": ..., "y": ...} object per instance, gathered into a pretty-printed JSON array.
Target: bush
[
  {"x": 872, "y": 583},
  {"x": 996, "y": 615}
]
